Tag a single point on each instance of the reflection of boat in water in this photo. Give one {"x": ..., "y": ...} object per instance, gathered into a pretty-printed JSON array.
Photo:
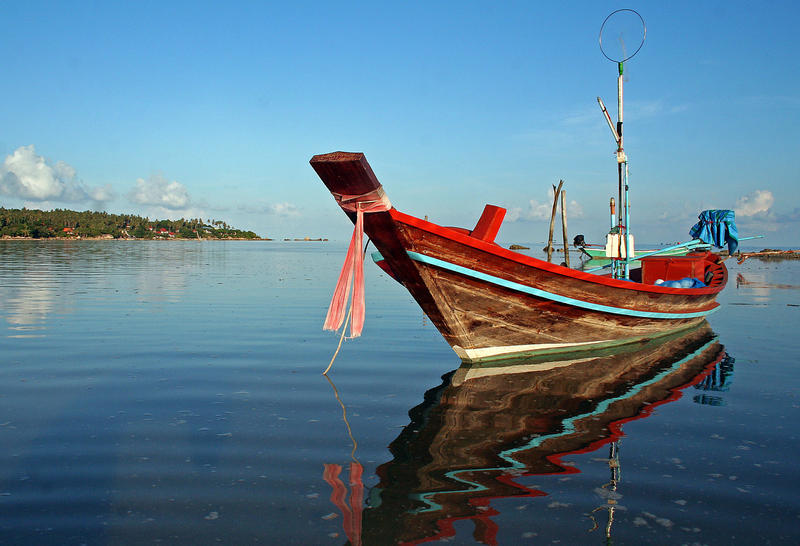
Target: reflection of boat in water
[{"x": 487, "y": 426}]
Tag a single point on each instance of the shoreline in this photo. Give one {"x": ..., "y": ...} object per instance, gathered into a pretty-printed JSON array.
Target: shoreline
[
  {"x": 766, "y": 254},
  {"x": 101, "y": 238},
  {"x": 172, "y": 239}
]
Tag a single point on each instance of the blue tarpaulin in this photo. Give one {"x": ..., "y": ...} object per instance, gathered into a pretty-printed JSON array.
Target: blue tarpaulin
[
  {"x": 718, "y": 228},
  {"x": 686, "y": 282}
]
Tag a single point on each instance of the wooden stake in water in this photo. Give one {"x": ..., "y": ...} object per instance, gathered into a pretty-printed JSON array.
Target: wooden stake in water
[
  {"x": 564, "y": 225},
  {"x": 553, "y": 220}
]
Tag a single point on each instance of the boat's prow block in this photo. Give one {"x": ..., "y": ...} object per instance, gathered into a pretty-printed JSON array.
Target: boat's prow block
[
  {"x": 489, "y": 223},
  {"x": 345, "y": 173}
]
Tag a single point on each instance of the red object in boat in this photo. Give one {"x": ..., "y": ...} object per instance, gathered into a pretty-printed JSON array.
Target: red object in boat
[{"x": 673, "y": 268}]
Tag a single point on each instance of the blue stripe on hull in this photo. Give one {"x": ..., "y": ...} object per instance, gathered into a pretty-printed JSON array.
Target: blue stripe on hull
[{"x": 416, "y": 256}]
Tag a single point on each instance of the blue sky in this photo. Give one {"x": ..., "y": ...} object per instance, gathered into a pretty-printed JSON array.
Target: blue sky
[{"x": 212, "y": 110}]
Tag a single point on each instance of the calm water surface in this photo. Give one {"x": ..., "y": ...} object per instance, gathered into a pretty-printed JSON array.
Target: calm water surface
[{"x": 171, "y": 392}]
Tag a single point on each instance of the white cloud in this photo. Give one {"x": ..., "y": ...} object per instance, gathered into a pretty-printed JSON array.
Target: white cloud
[
  {"x": 536, "y": 211},
  {"x": 283, "y": 209},
  {"x": 758, "y": 202},
  {"x": 102, "y": 193},
  {"x": 754, "y": 214},
  {"x": 574, "y": 209},
  {"x": 27, "y": 175},
  {"x": 160, "y": 192},
  {"x": 277, "y": 209}
]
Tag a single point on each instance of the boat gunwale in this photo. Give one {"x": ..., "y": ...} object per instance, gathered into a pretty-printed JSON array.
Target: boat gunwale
[{"x": 530, "y": 261}]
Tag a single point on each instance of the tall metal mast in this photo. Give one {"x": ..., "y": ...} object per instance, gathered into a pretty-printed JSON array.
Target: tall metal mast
[{"x": 615, "y": 27}]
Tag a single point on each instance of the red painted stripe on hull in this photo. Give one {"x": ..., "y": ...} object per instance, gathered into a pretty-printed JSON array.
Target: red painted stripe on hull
[{"x": 541, "y": 264}]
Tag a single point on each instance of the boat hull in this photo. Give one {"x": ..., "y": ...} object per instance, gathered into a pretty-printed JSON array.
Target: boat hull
[
  {"x": 492, "y": 303},
  {"x": 489, "y": 305}
]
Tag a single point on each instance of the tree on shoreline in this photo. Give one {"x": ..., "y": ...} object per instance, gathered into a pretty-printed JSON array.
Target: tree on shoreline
[{"x": 63, "y": 223}]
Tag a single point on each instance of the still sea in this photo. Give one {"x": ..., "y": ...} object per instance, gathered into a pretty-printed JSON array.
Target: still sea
[{"x": 172, "y": 393}]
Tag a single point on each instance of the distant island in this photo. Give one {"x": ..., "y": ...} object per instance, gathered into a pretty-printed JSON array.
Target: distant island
[{"x": 61, "y": 223}]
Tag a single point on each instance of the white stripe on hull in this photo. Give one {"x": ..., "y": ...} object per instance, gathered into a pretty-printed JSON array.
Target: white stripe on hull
[
  {"x": 468, "y": 373},
  {"x": 488, "y": 353}
]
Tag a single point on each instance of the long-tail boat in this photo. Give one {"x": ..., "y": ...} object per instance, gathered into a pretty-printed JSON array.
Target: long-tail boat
[{"x": 490, "y": 302}]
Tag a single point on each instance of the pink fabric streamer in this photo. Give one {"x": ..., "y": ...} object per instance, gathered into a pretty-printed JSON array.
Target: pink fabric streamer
[{"x": 353, "y": 267}]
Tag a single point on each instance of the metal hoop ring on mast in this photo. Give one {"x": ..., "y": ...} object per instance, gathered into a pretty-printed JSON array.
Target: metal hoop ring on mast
[{"x": 617, "y": 26}]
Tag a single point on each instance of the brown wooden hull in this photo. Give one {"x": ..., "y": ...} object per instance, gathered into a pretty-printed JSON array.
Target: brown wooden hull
[{"x": 489, "y": 302}]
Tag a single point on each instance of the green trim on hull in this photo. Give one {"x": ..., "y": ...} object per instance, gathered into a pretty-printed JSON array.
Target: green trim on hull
[{"x": 600, "y": 253}]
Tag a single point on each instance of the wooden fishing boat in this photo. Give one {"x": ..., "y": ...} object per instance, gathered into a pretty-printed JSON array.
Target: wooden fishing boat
[
  {"x": 473, "y": 444},
  {"x": 490, "y": 302}
]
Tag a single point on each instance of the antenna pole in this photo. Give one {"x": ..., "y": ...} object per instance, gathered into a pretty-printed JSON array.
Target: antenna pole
[
  {"x": 622, "y": 174},
  {"x": 621, "y": 265}
]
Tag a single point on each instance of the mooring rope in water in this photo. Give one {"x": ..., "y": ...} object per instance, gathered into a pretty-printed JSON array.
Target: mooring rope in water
[
  {"x": 341, "y": 338},
  {"x": 344, "y": 418},
  {"x": 346, "y": 320}
]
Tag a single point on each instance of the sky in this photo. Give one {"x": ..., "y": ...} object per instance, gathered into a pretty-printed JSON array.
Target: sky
[{"x": 213, "y": 109}]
